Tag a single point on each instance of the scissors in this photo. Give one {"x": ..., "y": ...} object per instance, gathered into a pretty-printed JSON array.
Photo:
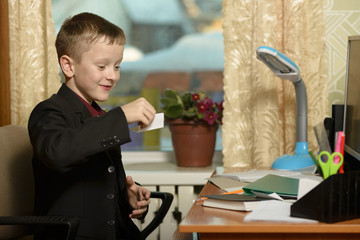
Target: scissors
[{"x": 330, "y": 163}]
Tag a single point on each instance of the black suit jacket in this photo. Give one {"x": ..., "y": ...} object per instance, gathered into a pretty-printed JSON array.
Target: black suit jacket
[{"x": 77, "y": 166}]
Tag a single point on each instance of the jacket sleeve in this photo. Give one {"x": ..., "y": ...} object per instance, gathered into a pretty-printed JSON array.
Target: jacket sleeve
[{"x": 61, "y": 140}]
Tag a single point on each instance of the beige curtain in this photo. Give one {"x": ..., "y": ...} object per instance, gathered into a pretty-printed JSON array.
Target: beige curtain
[
  {"x": 260, "y": 108},
  {"x": 34, "y": 72}
]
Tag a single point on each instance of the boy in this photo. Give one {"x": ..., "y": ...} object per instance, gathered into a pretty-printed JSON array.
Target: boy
[{"x": 77, "y": 158}]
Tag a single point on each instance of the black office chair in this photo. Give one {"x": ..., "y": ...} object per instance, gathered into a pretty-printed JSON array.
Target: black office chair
[{"x": 17, "y": 192}]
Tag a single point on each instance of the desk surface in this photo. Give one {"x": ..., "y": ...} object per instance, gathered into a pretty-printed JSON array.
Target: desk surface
[{"x": 214, "y": 223}]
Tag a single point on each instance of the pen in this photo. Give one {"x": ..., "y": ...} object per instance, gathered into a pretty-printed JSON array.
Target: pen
[
  {"x": 341, "y": 170},
  {"x": 232, "y": 192},
  {"x": 339, "y": 135}
]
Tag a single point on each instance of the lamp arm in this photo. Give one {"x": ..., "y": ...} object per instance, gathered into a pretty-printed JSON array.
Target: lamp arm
[{"x": 301, "y": 108}]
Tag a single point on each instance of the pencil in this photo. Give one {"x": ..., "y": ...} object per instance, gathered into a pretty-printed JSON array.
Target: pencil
[
  {"x": 233, "y": 192},
  {"x": 313, "y": 158}
]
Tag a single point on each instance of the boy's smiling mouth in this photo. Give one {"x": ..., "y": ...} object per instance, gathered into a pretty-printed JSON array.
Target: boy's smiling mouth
[{"x": 106, "y": 87}]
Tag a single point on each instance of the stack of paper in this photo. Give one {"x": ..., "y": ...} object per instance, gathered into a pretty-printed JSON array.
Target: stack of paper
[{"x": 260, "y": 188}]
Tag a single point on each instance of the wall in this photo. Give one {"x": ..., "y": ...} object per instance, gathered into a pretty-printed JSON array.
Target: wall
[
  {"x": 4, "y": 67},
  {"x": 342, "y": 19}
]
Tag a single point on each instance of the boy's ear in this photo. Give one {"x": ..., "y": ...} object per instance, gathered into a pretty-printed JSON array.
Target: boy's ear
[{"x": 66, "y": 64}]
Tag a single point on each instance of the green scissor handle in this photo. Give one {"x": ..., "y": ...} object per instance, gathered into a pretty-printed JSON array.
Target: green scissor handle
[{"x": 330, "y": 163}]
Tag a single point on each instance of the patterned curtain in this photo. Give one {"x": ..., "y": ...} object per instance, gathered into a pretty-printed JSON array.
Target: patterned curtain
[
  {"x": 34, "y": 72},
  {"x": 260, "y": 108}
]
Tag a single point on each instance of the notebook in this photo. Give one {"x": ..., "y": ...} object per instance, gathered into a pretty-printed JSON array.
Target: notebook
[{"x": 286, "y": 187}]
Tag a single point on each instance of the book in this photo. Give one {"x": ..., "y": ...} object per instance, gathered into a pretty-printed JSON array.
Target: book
[
  {"x": 237, "y": 202},
  {"x": 284, "y": 186}
]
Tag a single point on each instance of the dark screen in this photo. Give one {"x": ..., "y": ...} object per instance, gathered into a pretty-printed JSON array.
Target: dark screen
[{"x": 352, "y": 99}]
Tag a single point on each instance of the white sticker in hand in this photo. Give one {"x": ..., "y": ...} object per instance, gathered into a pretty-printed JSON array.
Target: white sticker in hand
[{"x": 157, "y": 123}]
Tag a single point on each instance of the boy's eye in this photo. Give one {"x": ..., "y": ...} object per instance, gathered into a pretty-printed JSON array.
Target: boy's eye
[
  {"x": 101, "y": 67},
  {"x": 117, "y": 67}
]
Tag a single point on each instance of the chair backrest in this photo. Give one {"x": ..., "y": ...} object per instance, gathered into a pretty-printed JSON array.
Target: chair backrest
[{"x": 16, "y": 177}]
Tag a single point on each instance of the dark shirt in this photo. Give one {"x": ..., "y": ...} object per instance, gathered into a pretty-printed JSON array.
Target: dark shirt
[{"x": 94, "y": 109}]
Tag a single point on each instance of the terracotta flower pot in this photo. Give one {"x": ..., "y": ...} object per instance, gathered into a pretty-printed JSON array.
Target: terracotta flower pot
[{"x": 193, "y": 143}]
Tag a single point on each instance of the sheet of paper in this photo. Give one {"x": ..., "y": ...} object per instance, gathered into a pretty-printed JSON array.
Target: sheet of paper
[
  {"x": 157, "y": 123},
  {"x": 227, "y": 184},
  {"x": 274, "y": 210},
  {"x": 274, "y": 196}
]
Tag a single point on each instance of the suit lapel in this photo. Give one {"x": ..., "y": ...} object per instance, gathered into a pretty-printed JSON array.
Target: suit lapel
[{"x": 73, "y": 104}]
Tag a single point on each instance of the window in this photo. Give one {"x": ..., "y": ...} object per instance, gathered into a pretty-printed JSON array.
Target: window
[{"x": 170, "y": 44}]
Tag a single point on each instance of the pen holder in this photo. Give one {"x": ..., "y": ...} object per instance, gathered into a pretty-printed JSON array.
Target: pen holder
[{"x": 335, "y": 199}]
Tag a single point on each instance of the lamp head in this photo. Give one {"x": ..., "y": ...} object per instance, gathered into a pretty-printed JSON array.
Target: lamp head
[{"x": 280, "y": 64}]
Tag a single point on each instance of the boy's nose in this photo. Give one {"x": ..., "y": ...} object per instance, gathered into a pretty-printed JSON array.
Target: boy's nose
[{"x": 113, "y": 75}]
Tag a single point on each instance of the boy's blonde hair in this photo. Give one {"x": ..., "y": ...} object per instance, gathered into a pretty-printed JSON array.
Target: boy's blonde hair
[{"x": 80, "y": 32}]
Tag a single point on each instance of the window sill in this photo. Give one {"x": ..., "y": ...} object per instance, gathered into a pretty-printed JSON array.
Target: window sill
[{"x": 159, "y": 168}]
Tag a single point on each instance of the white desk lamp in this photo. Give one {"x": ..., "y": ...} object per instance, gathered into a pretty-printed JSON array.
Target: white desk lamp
[{"x": 284, "y": 68}]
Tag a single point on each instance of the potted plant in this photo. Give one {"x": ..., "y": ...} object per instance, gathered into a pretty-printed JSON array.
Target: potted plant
[{"x": 193, "y": 119}]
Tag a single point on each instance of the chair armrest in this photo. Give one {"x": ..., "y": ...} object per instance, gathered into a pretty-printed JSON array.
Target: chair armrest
[
  {"x": 167, "y": 199},
  {"x": 70, "y": 222}
]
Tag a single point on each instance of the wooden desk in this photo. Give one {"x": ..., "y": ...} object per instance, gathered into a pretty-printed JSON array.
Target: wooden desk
[{"x": 213, "y": 223}]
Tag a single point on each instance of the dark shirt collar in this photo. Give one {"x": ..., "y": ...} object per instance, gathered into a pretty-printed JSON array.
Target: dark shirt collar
[{"x": 94, "y": 108}]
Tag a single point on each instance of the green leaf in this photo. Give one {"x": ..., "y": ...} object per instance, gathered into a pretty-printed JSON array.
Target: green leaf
[
  {"x": 171, "y": 94},
  {"x": 179, "y": 100},
  {"x": 187, "y": 100},
  {"x": 173, "y": 111},
  {"x": 189, "y": 114},
  {"x": 168, "y": 101},
  {"x": 202, "y": 95}
]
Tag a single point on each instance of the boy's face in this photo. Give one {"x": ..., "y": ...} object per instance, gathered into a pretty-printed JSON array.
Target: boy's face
[{"x": 97, "y": 72}]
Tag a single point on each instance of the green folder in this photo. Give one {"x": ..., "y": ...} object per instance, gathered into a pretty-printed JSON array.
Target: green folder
[{"x": 283, "y": 186}]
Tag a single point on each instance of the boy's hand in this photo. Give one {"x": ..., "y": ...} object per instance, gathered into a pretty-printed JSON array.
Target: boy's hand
[
  {"x": 140, "y": 111},
  {"x": 139, "y": 198}
]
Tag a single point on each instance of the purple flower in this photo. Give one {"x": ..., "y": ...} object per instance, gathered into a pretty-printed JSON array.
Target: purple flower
[
  {"x": 210, "y": 117},
  {"x": 208, "y": 102},
  {"x": 202, "y": 107},
  {"x": 195, "y": 97}
]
